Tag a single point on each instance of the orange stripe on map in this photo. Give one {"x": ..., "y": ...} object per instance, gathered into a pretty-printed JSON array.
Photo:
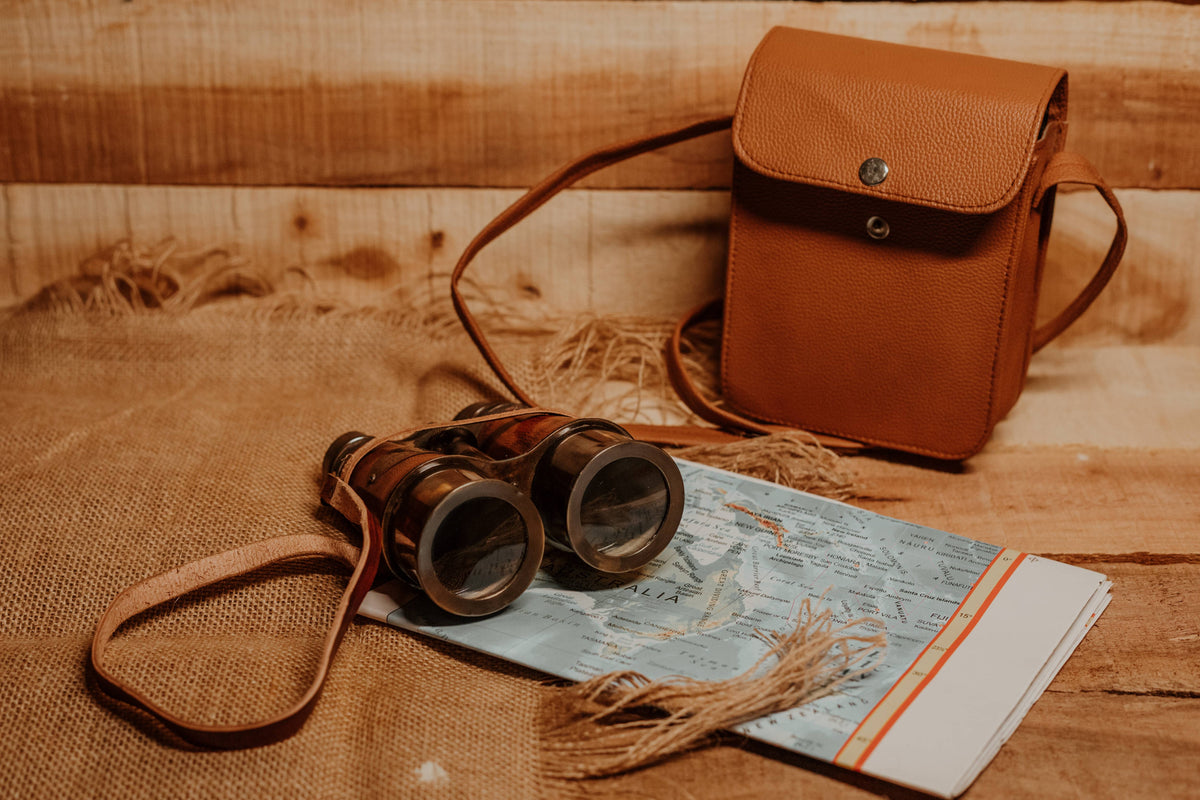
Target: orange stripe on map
[{"x": 885, "y": 713}]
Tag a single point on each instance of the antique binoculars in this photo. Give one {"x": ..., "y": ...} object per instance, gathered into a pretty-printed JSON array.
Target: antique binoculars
[{"x": 467, "y": 507}]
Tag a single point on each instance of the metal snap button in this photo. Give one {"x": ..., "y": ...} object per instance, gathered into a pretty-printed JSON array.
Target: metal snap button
[
  {"x": 873, "y": 171},
  {"x": 877, "y": 228}
]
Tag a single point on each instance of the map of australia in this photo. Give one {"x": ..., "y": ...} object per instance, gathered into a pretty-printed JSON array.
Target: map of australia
[{"x": 746, "y": 555}]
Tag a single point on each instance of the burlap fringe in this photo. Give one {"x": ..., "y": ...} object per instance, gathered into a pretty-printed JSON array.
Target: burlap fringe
[
  {"x": 615, "y": 367},
  {"x": 610, "y": 366},
  {"x": 622, "y": 721},
  {"x": 124, "y": 278},
  {"x": 793, "y": 459}
]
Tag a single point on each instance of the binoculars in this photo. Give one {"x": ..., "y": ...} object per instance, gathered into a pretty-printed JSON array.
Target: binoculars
[{"x": 466, "y": 508}]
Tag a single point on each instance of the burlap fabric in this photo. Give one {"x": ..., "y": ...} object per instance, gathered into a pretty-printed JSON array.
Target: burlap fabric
[
  {"x": 135, "y": 443},
  {"x": 139, "y": 441}
]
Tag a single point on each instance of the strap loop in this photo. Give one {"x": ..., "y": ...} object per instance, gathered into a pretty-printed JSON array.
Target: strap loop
[
  {"x": 1067, "y": 167},
  {"x": 240, "y": 561},
  {"x": 690, "y": 394},
  {"x": 533, "y": 200},
  {"x": 189, "y": 577}
]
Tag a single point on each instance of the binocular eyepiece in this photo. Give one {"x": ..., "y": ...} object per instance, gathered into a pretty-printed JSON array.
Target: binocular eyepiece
[{"x": 466, "y": 508}]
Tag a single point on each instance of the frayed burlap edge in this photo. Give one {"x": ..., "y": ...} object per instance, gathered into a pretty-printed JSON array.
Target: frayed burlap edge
[{"x": 610, "y": 366}]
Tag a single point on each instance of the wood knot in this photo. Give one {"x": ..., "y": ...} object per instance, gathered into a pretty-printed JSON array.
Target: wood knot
[{"x": 366, "y": 263}]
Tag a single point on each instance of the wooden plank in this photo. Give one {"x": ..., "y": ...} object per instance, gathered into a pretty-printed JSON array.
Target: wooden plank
[
  {"x": 1100, "y": 745},
  {"x": 418, "y": 92},
  {"x": 585, "y": 249},
  {"x": 1054, "y": 499},
  {"x": 1154, "y": 295},
  {"x": 1133, "y": 397},
  {"x": 48, "y": 231},
  {"x": 1147, "y": 641}
]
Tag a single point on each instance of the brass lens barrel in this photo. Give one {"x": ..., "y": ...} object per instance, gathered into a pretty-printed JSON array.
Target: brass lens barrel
[
  {"x": 454, "y": 502},
  {"x": 473, "y": 544},
  {"x": 341, "y": 449},
  {"x": 614, "y": 501}
]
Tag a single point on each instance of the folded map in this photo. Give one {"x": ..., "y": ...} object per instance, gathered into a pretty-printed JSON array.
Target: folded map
[{"x": 975, "y": 632}]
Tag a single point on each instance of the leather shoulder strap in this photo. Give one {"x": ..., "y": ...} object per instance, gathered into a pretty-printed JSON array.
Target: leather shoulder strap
[
  {"x": 189, "y": 577},
  {"x": 533, "y": 200},
  {"x": 1065, "y": 167}
]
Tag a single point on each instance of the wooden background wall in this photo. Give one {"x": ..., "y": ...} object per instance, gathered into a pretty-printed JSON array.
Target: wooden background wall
[{"x": 374, "y": 138}]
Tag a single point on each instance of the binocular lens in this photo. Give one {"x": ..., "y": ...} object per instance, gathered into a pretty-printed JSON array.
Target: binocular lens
[
  {"x": 479, "y": 548},
  {"x": 466, "y": 509},
  {"x": 614, "y": 501},
  {"x": 475, "y": 542},
  {"x": 623, "y": 507}
]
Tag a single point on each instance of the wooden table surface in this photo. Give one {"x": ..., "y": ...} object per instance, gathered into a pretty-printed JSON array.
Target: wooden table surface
[{"x": 1098, "y": 465}]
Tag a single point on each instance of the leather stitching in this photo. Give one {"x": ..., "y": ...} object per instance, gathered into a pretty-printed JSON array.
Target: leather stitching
[
  {"x": 1013, "y": 191},
  {"x": 727, "y": 322},
  {"x": 1018, "y": 237}
]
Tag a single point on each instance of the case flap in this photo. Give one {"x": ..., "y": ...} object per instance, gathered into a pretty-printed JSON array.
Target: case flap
[{"x": 955, "y": 131}]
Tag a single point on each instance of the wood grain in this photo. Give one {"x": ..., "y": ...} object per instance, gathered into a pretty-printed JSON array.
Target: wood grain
[
  {"x": 417, "y": 92},
  {"x": 1148, "y": 640},
  {"x": 1048, "y": 499},
  {"x": 1100, "y": 746},
  {"x": 584, "y": 250},
  {"x": 1131, "y": 397},
  {"x": 1155, "y": 294}
]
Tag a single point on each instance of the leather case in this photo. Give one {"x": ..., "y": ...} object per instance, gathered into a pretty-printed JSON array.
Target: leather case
[
  {"x": 891, "y": 208},
  {"x": 893, "y": 305}
]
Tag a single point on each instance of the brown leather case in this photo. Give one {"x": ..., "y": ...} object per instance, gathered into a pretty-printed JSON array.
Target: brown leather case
[
  {"x": 891, "y": 208},
  {"x": 899, "y": 312}
]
